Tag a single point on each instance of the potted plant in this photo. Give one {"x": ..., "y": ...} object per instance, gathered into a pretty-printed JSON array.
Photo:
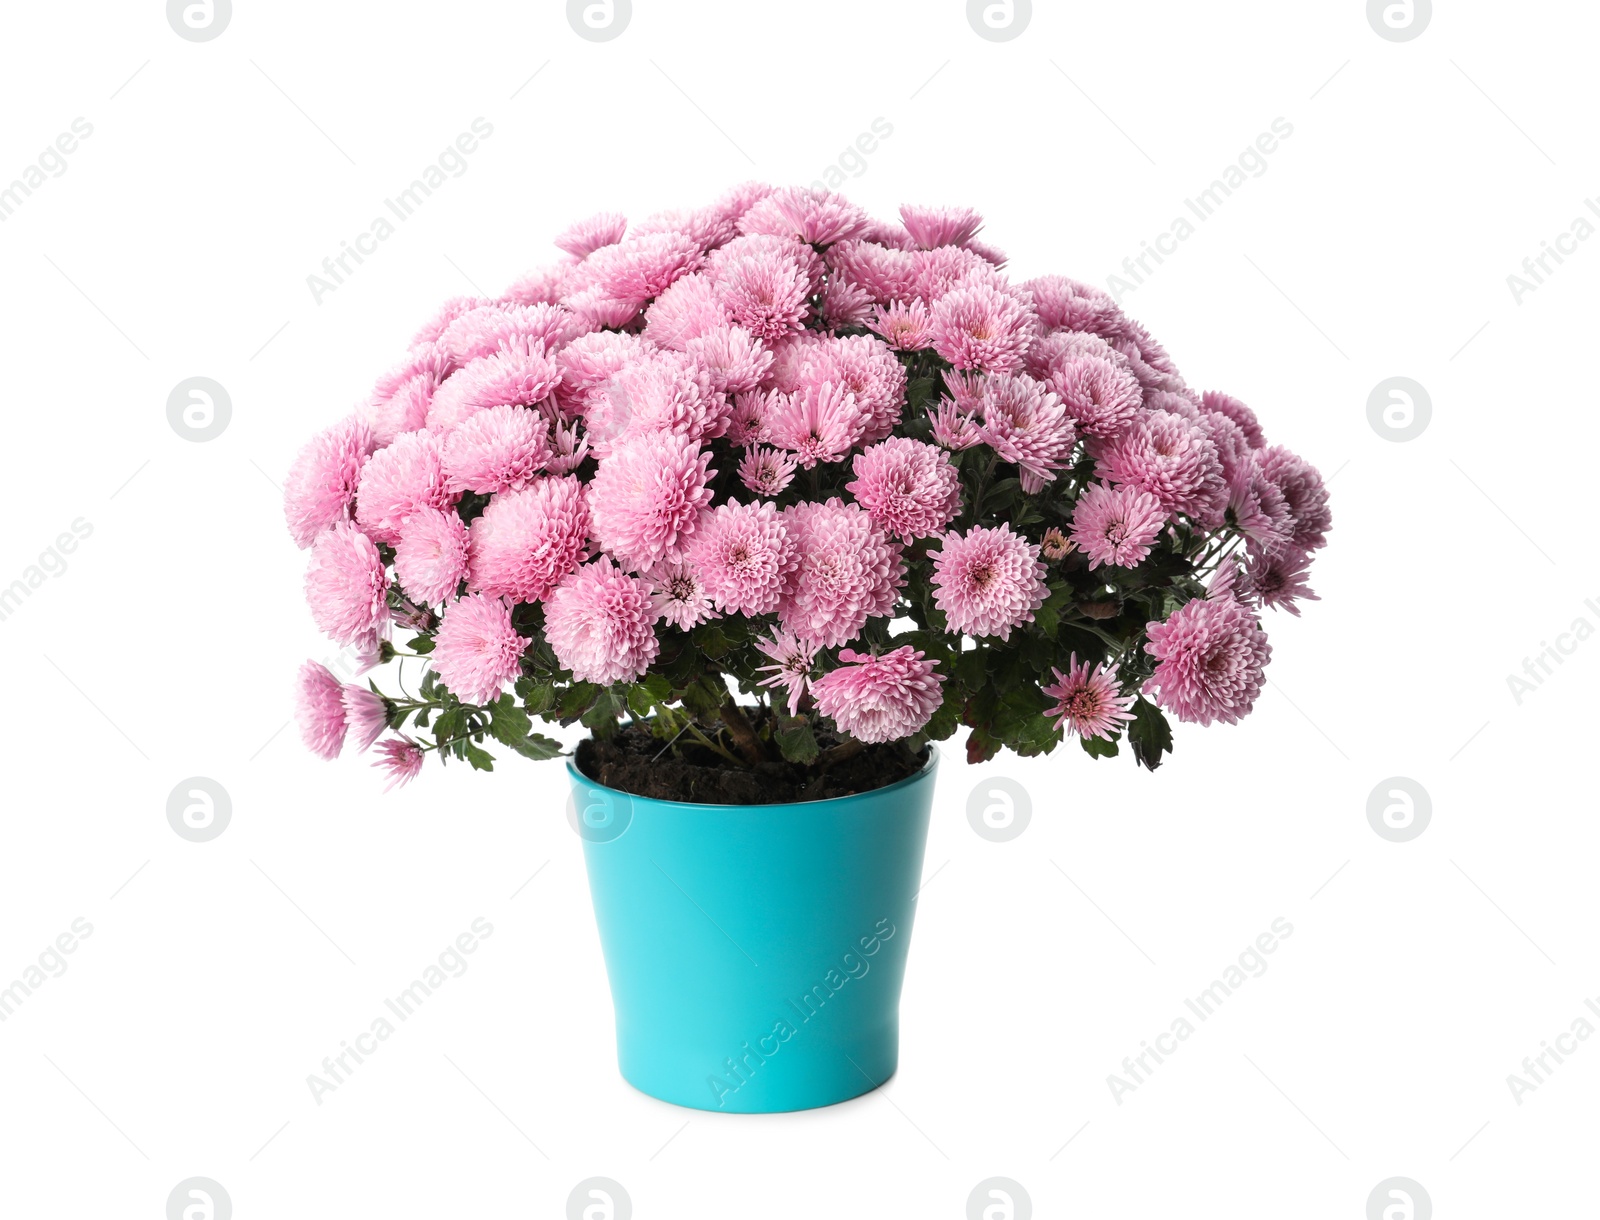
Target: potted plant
[{"x": 769, "y": 496}]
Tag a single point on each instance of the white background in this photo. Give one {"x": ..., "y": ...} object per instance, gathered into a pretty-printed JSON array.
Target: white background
[{"x": 1377, "y": 243}]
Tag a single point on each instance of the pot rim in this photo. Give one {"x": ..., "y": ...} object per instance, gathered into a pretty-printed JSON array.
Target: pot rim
[{"x": 924, "y": 772}]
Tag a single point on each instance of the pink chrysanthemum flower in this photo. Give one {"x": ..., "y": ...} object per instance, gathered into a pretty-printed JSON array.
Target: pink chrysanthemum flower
[
  {"x": 476, "y": 650},
  {"x": 367, "y": 714},
  {"x": 1089, "y": 702},
  {"x": 818, "y": 423},
  {"x": 766, "y": 471},
  {"x": 599, "y": 310},
  {"x": 646, "y": 495},
  {"x": 399, "y": 402},
  {"x": 1257, "y": 508},
  {"x": 733, "y": 358},
  {"x": 937, "y": 272},
  {"x": 1067, "y": 304},
  {"x": 849, "y": 572},
  {"x": 400, "y": 759},
  {"x": 930, "y": 227},
  {"x": 601, "y": 623},
  {"x": 903, "y": 325},
  {"x": 346, "y": 586},
  {"x": 880, "y": 698},
  {"x": 1116, "y": 525},
  {"x": 1148, "y": 359},
  {"x": 319, "y": 710},
  {"x": 1026, "y": 425},
  {"x": 817, "y": 218},
  {"x": 366, "y": 654},
  {"x": 737, "y": 200},
  {"x": 1173, "y": 460},
  {"x": 988, "y": 581},
  {"x": 527, "y": 541},
  {"x": 1232, "y": 446},
  {"x": 321, "y": 487},
  {"x": 845, "y": 304},
  {"x": 1227, "y": 404},
  {"x": 519, "y": 375},
  {"x": 869, "y": 370},
  {"x": 406, "y": 410},
  {"x": 443, "y": 316},
  {"x": 690, "y": 308},
  {"x": 1213, "y": 656},
  {"x": 953, "y": 427},
  {"x": 993, "y": 255},
  {"x": 747, "y": 425},
  {"x": 663, "y": 393},
  {"x": 399, "y": 480},
  {"x": 430, "y": 560},
  {"x": 586, "y": 236},
  {"x": 888, "y": 274},
  {"x": 1303, "y": 492},
  {"x": 743, "y": 555},
  {"x": 765, "y": 289},
  {"x": 795, "y": 659},
  {"x": 1056, "y": 349},
  {"x": 1279, "y": 580},
  {"x": 1055, "y": 545},
  {"x": 541, "y": 286},
  {"x": 500, "y": 449},
  {"x": 679, "y": 597},
  {"x": 568, "y": 448},
  {"x": 491, "y": 328},
  {"x": 1102, "y": 398},
  {"x": 593, "y": 359},
  {"x": 909, "y": 488},
  {"x": 640, "y": 268},
  {"x": 975, "y": 326}
]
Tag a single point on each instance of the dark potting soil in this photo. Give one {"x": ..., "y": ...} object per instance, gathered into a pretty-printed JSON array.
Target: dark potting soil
[{"x": 632, "y": 760}]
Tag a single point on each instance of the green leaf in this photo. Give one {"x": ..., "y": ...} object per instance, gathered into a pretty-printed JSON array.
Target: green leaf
[
  {"x": 640, "y": 702},
  {"x": 537, "y": 747},
  {"x": 420, "y": 643},
  {"x": 576, "y": 700},
  {"x": 795, "y": 739},
  {"x": 659, "y": 688},
  {"x": 981, "y": 747},
  {"x": 509, "y": 723},
  {"x": 480, "y": 758},
  {"x": 1099, "y": 747},
  {"x": 601, "y": 719},
  {"x": 539, "y": 697},
  {"x": 705, "y": 697},
  {"x": 1149, "y": 733},
  {"x": 450, "y": 724}
]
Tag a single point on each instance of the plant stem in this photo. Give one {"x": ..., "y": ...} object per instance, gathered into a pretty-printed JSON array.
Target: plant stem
[{"x": 742, "y": 732}]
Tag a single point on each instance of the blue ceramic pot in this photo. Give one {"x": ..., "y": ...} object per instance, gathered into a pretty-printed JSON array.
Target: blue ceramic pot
[{"x": 756, "y": 952}]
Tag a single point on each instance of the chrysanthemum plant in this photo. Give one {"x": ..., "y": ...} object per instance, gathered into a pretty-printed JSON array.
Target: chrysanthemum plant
[{"x": 743, "y": 470}]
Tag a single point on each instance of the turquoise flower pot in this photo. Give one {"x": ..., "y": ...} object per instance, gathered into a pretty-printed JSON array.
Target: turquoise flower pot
[{"x": 756, "y": 952}]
